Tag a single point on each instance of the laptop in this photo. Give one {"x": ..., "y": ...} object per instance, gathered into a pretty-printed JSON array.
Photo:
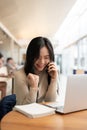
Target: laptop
[{"x": 75, "y": 95}]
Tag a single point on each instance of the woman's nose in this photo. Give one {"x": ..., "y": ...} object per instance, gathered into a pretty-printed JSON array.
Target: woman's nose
[{"x": 42, "y": 60}]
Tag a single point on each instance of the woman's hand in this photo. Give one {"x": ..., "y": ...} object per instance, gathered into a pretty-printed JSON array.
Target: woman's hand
[
  {"x": 52, "y": 70},
  {"x": 33, "y": 80}
]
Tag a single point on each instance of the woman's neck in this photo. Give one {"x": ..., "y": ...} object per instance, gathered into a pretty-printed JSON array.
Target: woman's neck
[{"x": 37, "y": 72}]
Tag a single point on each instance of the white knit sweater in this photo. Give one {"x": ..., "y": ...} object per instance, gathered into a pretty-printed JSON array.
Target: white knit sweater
[{"x": 25, "y": 94}]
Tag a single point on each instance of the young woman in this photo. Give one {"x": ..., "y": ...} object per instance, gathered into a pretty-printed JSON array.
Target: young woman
[{"x": 37, "y": 81}]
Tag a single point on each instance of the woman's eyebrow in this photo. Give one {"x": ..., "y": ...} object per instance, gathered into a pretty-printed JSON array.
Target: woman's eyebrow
[{"x": 47, "y": 55}]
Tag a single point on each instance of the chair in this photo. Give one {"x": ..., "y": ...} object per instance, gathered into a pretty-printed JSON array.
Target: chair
[
  {"x": 3, "y": 86},
  {"x": 6, "y": 104},
  {"x": 78, "y": 71}
]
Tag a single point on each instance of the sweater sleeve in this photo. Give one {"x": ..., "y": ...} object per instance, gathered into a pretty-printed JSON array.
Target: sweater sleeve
[
  {"x": 24, "y": 93},
  {"x": 52, "y": 91}
]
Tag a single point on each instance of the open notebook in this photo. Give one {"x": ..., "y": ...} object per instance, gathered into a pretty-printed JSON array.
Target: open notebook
[{"x": 34, "y": 110}]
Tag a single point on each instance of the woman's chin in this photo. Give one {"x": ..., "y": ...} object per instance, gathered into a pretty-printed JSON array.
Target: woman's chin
[{"x": 40, "y": 69}]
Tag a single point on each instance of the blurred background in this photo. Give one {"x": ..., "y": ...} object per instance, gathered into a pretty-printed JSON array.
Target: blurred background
[{"x": 64, "y": 22}]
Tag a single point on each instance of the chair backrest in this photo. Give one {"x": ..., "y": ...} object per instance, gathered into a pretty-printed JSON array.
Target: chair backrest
[
  {"x": 78, "y": 71},
  {"x": 3, "y": 86},
  {"x": 6, "y": 104}
]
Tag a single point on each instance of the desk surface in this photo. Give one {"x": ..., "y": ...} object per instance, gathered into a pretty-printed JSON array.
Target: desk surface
[{"x": 16, "y": 121}]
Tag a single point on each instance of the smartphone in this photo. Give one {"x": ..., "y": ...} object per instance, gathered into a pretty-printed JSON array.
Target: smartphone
[{"x": 49, "y": 78}]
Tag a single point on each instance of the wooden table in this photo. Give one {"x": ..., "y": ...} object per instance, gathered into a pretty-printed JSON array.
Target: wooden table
[
  {"x": 17, "y": 121},
  {"x": 3, "y": 86},
  {"x": 9, "y": 76}
]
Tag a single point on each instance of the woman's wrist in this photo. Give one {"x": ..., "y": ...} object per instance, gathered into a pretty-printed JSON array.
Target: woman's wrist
[{"x": 34, "y": 87}]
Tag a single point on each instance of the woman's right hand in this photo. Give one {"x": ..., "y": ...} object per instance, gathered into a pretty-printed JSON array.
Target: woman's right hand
[{"x": 33, "y": 80}]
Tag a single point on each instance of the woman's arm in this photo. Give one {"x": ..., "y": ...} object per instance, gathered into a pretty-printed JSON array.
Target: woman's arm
[
  {"x": 24, "y": 93},
  {"x": 52, "y": 91}
]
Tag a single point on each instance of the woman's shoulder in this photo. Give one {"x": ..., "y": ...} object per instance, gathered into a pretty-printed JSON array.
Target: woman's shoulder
[{"x": 19, "y": 72}]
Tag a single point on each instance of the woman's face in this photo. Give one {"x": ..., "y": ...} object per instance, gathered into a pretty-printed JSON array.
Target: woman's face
[{"x": 43, "y": 59}]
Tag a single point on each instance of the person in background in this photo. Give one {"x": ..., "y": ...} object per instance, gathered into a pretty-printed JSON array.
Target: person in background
[
  {"x": 4, "y": 75},
  {"x": 11, "y": 65},
  {"x": 37, "y": 81},
  {"x": 1, "y": 60},
  {"x": 3, "y": 68}
]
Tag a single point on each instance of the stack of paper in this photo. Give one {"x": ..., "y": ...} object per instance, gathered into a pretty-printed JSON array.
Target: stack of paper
[{"x": 34, "y": 110}]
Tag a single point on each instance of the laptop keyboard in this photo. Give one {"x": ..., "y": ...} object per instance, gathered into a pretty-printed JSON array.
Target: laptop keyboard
[
  {"x": 59, "y": 107},
  {"x": 56, "y": 105}
]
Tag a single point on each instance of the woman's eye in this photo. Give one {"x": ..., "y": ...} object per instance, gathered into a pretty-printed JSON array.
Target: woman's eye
[{"x": 47, "y": 58}]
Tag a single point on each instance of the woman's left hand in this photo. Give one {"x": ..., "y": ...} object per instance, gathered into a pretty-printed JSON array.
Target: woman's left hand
[{"x": 52, "y": 70}]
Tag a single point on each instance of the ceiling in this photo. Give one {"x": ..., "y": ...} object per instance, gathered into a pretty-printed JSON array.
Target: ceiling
[{"x": 26, "y": 19}]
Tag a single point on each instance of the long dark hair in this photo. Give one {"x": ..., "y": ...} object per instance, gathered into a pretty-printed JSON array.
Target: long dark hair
[
  {"x": 1, "y": 55},
  {"x": 33, "y": 52}
]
